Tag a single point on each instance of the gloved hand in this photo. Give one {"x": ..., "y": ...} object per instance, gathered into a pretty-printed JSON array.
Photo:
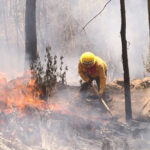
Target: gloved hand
[
  {"x": 85, "y": 86},
  {"x": 89, "y": 82}
]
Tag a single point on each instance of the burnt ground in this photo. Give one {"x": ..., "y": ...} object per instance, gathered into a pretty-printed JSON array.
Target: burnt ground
[{"x": 81, "y": 123}]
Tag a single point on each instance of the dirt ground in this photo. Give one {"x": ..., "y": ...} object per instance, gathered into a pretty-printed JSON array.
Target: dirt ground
[
  {"x": 140, "y": 97},
  {"x": 114, "y": 93},
  {"x": 80, "y": 122}
]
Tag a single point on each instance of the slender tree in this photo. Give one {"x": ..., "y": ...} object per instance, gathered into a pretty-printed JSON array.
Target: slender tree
[
  {"x": 128, "y": 109},
  {"x": 30, "y": 32}
]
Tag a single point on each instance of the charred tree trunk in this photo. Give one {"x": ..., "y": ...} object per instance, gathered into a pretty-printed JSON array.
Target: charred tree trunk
[
  {"x": 128, "y": 109},
  {"x": 30, "y": 33}
]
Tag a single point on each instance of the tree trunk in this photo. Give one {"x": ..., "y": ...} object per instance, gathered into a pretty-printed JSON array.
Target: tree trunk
[
  {"x": 128, "y": 109},
  {"x": 30, "y": 33}
]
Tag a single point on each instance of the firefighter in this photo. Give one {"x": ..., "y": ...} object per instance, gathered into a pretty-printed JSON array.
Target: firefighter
[{"x": 91, "y": 68}]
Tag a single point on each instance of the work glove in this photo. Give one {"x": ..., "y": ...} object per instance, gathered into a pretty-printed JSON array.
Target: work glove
[
  {"x": 89, "y": 82},
  {"x": 85, "y": 86}
]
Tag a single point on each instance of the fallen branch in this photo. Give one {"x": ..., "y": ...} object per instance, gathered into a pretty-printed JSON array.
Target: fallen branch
[{"x": 96, "y": 15}]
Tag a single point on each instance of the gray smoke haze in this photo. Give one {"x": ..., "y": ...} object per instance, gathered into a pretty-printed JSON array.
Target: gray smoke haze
[
  {"x": 59, "y": 24},
  {"x": 74, "y": 125}
]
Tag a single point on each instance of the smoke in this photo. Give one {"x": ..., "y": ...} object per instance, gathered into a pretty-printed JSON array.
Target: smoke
[
  {"x": 105, "y": 34},
  {"x": 138, "y": 36},
  {"x": 75, "y": 124},
  {"x": 59, "y": 25},
  {"x": 102, "y": 36},
  {"x": 11, "y": 37}
]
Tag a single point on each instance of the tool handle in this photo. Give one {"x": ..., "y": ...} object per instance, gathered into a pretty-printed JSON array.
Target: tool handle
[{"x": 102, "y": 100}]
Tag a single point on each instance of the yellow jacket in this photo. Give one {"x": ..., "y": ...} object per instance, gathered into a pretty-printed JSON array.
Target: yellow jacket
[{"x": 98, "y": 70}]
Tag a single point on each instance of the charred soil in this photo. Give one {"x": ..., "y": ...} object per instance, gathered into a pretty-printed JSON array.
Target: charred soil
[{"x": 73, "y": 122}]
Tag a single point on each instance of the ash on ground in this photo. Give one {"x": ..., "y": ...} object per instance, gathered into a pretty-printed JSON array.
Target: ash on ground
[{"x": 76, "y": 123}]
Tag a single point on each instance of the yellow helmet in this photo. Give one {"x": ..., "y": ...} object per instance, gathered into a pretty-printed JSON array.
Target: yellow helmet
[{"x": 88, "y": 59}]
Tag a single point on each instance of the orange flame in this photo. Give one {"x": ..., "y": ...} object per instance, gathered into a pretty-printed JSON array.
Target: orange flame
[{"x": 18, "y": 94}]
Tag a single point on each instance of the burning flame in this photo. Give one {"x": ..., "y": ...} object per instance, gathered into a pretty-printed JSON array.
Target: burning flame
[{"x": 18, "y": 95}]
